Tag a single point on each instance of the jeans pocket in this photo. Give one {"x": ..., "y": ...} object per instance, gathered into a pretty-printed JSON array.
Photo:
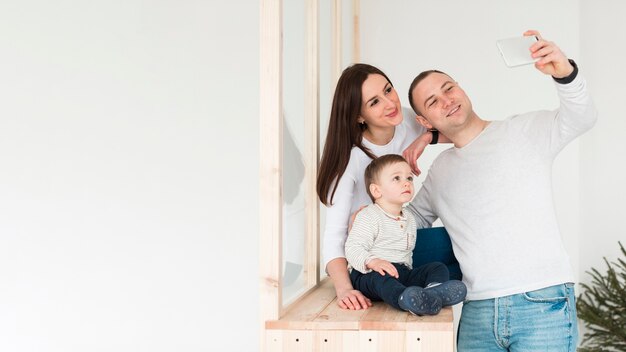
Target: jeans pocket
[{"x": 552, "y": 294}]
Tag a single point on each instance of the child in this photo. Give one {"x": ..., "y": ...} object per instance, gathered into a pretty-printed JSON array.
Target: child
[{"x": 381, "y": 241}]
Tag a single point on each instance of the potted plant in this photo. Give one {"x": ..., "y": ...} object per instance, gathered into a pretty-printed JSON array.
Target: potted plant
[{"x": 602, "y": 307}]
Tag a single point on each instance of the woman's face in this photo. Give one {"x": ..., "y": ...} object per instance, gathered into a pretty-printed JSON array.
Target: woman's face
[{"x": 381, "y": 106}]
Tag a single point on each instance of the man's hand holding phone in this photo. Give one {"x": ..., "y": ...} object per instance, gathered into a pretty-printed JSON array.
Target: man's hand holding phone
[
  {"x": 532, "y": 48},
  {"x": 516, "y": 51},
  {"x": 549, "y": 57}
]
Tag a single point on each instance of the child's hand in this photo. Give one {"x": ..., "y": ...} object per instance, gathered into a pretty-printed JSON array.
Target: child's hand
[{"x": 381, "y": 266}]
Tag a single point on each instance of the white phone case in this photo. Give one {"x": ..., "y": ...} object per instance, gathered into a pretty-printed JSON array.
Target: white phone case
[{"x": 515, "y": 51}]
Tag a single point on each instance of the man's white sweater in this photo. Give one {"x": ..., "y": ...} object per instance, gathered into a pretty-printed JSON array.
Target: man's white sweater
[{"x": 494, "y": 196}]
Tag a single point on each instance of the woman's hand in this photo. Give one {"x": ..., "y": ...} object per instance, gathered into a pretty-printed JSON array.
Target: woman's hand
[
  {"x": 415, "y": 150},
  {"x": 353, "y": 217},
  {"x": 352, "y": 299},
  {"x": 347, "y": 296}
]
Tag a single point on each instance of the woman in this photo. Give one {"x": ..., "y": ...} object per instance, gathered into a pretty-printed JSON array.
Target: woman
[{"x": 366, "y": 121}]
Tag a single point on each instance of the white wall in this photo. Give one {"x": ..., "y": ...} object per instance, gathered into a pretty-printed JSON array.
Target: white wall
[
  {"x": 603, "y": 150},
  {"x": 128, "y": 176},
  {"x": 405, "y": 37}
]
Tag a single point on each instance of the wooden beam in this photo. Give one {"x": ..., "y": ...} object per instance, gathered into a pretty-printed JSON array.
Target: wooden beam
[
  {"x": 311, "y": 148},
  {"x": 270, "y": 173},
  {"x": 356, "y": 36},
  {"x": 336, "y": 29}
]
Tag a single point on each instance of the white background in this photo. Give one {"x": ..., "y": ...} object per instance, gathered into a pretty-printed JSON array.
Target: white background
[
  {"x": 129, "y": 175},
  {"x": 129, "y": 154}
]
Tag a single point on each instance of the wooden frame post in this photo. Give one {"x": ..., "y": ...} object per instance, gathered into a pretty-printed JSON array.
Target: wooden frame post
[
  {"x": 336, "y": 42},
  {"x": 270, "y": 171},
  {"x": 311, "y": 149},
  {"x": 356, "y": 38}
]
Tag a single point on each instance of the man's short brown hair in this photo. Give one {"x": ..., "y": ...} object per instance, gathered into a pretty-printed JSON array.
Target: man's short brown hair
[{"x": 414, "y": 84}]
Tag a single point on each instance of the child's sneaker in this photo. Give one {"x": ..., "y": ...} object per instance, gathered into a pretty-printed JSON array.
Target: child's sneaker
[
  {"x": 419, "y": 301},
  {"x": 451, "y": 292}
]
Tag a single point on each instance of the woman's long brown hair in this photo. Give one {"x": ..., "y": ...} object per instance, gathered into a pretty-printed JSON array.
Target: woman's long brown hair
[{"x": 344, "y": 130}]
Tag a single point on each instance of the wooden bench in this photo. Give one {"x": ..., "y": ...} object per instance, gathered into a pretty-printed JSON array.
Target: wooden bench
[{"x": 316, "y": 323}]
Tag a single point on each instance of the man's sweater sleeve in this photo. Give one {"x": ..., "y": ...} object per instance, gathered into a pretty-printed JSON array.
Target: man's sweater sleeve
[
  {"x": 576, "y": 113},
  {"x": 420, "y": 206}
]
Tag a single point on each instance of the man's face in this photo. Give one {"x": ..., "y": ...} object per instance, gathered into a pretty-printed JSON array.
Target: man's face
[{"x": 442, "y": 103}]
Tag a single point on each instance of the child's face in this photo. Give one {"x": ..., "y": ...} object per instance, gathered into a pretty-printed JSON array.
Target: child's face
[{"x": 394, "y": 184}]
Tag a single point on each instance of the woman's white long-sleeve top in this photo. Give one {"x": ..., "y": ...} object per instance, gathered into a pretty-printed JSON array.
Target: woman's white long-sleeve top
[{"x": 351, "y": 193}]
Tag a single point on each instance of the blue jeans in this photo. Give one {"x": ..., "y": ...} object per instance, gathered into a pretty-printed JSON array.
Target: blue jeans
[
  {"x": 387, "y": 288},
  {"x": 541, "y": 320}
]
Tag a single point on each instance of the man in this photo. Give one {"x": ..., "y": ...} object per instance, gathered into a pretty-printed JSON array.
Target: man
[{"x": 493, "y": 193}]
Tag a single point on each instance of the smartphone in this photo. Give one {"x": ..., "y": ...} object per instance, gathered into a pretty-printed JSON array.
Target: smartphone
[{"x": 515, "y": 51}]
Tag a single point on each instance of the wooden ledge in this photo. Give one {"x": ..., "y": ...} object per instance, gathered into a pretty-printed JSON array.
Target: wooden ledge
[{"x": 319, "y": 311}]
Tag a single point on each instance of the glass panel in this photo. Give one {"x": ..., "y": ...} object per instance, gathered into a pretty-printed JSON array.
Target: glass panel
[{"x": 294, "y": 30}]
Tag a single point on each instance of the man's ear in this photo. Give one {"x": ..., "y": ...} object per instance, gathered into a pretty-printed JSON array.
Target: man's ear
[
  {"x": 375, "y": 190},
  {"x": 422, "y": 121}
]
